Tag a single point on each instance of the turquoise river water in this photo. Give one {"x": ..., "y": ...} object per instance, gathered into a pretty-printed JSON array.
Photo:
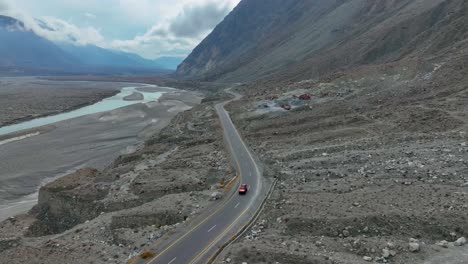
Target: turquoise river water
[{"x": 107, "y": 104}]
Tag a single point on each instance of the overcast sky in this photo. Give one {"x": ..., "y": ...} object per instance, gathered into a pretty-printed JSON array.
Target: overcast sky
[{"x": 151, "y": 28}]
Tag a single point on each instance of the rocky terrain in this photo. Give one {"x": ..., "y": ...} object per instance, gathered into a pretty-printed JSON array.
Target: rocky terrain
[
  {"x": 359, "y": 107},
  {"x": 24, "y": 99},
  {"x": 371, "y": 169},
  {"x": 110, "y": 216}
]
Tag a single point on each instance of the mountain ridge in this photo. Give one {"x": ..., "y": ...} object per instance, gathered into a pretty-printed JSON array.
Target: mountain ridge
[
  {"x": 22, "y": 48},
  {"x": 23, "y": 51},
  {"x": 311, "y": 38}
]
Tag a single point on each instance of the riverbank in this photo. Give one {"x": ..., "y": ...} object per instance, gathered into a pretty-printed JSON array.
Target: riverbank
[
  {"x": 93, "y": 140},
  {"x": 108, "y": 104},
  {"x": 26, "y": 98}
]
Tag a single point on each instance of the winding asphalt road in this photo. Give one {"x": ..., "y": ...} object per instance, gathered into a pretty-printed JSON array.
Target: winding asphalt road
[{"x": 203, "y": 239}]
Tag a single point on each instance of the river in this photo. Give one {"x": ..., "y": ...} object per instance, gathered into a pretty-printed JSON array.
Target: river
[
  {"x": 107, "y": 104},
  {"x": 92, "y": 136}
]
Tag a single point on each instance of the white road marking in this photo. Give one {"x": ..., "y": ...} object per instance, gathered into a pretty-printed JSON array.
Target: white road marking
[
  {"x": 172, "y": 260},
  {"x": 209, "y": 230},
  {"x": 237, "y": 205}
]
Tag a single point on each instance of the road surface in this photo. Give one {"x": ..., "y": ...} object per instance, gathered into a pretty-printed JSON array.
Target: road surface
[{"x": 202, "y": 240}]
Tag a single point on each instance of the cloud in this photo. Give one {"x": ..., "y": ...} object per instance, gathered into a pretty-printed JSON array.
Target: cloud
[
  {"x": 196, "y": 20},
  {"x": 141, "y": 10},
  {"x": 150, "y": 28},
  {"x": 90, "y": 15},
  {"x": 178, "y": 35},
  {"x": 4, "y": 7},
  {"x": 52, "y": 28},
  {"x": 62, "y": 31},
  {"x": 155, "y": 43},
  {"x": 58, "y": 30}
]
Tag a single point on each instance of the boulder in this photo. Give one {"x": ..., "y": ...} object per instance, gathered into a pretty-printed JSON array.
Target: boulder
[
  {"x": 216, "y": 196},
  {"x": 443, "y": 244},
  {"x": 413, "y": 247},
  {"x": 346, "y": 233},
  {"x": 460, "y": 242},
  {"x": 386, "y": 253}
]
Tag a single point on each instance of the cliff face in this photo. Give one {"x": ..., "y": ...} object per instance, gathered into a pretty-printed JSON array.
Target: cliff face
[
  {"x": 243, "y": 32},
  {"x": 68, "y": 201},
  {"x": 260, "y": 38}
]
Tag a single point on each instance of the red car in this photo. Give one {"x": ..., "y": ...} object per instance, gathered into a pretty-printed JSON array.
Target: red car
[{"x": 243, "y": 189}]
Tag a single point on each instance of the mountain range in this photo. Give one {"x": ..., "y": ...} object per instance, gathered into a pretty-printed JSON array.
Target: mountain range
[
  {"x": 23, "y": 51},
  {"x": 312, "y": 38}
]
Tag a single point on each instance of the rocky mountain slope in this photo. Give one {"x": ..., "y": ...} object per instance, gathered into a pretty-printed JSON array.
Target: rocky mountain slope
[
  {"x": 369, "y": 170},
  {"x": 313, "y": 38},
  {"x": 92, "y": 55},
  {"x": 370, "y": 164}
]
